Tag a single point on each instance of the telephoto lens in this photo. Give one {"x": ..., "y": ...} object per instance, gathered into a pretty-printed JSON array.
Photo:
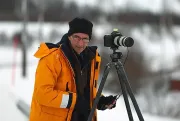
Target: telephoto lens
[{"x": 123, "y": 41}]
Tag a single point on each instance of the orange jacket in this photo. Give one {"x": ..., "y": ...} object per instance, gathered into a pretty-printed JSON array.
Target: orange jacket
[{"x": 51, "y": 101}]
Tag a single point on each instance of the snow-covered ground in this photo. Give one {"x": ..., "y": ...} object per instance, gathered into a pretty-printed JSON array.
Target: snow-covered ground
[
  {"x": 8, "y": 109},
  {"x": 22, "y": 88}
]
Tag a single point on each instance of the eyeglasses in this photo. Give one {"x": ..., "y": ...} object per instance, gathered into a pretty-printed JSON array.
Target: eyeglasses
[{"x": 78, "y": 38}]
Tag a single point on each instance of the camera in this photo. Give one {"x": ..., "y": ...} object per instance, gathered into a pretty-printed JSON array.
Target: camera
[{"x": 116, "y": 39}]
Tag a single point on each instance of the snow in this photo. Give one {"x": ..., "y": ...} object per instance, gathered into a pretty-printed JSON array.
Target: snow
[
  {"x": 10, "y": 28},
  {"x": 164, "y": 47},
  {"x": 8, "y": 109}
]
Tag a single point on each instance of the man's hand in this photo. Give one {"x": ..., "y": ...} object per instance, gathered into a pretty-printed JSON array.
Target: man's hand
[
  {"x": 108, "y": 102},
  {"x": 110, "y": 106}
]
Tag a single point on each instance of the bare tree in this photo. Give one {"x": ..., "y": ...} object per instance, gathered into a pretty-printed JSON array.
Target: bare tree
[{"x": 42, "y": 6}]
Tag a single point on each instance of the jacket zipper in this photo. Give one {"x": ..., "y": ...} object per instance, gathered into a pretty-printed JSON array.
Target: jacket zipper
[
  {"x": 93, "y": 80},
  {"x": 83, "y": 68},
  {"x": 68, "y": 63},
  {"x": 93, "y": 87},
  {"x": 73, "y": 77}
]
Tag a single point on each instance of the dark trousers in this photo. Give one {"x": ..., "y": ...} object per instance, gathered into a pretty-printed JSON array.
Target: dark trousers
[{"x": 79, "y": 117}]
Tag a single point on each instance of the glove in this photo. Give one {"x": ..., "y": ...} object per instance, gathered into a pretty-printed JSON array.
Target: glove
[
  {"x": 104, "y": 102},
  {"x": 82, "y": 106}
]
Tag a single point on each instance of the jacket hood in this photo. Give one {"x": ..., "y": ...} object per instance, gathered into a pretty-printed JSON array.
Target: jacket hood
[{"x": 45, "y": 49}]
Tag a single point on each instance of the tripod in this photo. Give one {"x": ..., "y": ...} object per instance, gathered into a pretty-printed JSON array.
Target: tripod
[{"x": 125, "y": 86}]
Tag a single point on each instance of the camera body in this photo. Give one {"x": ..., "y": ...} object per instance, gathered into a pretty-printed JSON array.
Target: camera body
[{"x": 116, "y": 39}]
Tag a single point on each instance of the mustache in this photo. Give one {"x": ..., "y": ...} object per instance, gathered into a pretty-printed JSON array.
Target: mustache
[{"x": 80, "y": 46}]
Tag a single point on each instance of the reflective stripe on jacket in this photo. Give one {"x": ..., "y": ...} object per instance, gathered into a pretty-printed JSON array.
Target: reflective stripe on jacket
[{"x": 51, "y": 100}]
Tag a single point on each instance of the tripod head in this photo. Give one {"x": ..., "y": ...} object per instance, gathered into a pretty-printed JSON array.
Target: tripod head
[{"x": 116, "y": 55}]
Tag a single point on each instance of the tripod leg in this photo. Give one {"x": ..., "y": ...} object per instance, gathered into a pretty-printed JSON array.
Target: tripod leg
[
  {"x": 122, "y": 74},
  {"x": 106, "y": 71},
  {"x": 123, "y": 88}
]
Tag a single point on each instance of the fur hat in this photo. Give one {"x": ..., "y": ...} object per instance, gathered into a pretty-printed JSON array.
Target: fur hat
[{"x": 80, "y": 25}]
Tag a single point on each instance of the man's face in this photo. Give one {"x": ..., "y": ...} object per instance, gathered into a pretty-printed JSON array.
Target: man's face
[{"x": 79, "y": 41}]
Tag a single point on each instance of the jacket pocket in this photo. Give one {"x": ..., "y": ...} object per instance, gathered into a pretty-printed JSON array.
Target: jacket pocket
[{"x": 63, "y": 113}]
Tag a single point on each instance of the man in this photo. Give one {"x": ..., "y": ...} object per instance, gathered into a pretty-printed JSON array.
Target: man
[{"x": 66, "y": 77}]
